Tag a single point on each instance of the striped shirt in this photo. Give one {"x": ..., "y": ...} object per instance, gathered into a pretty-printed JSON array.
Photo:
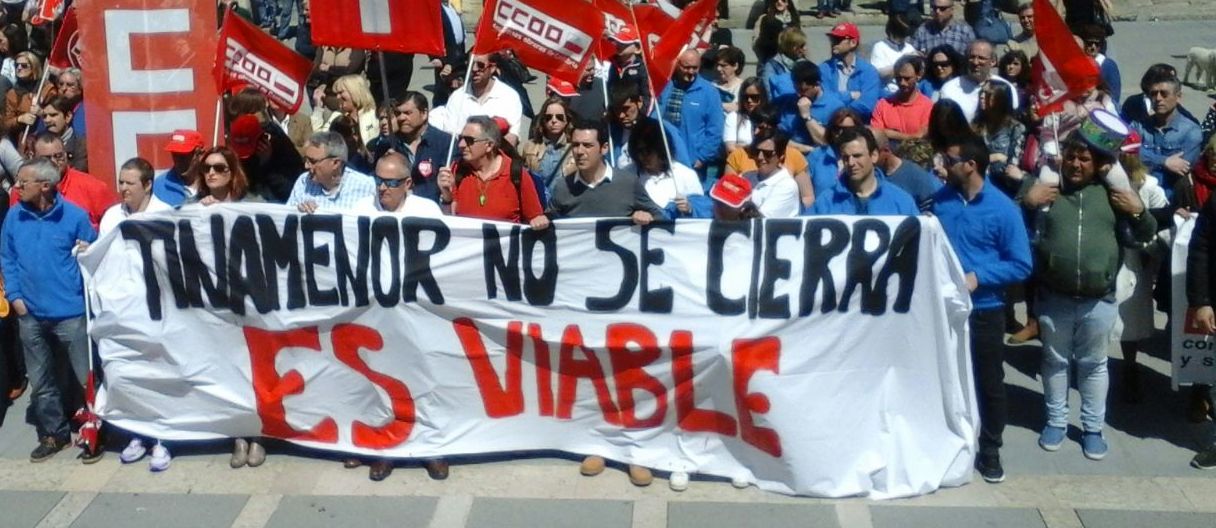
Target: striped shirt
[{"x": 353, "y": 187}]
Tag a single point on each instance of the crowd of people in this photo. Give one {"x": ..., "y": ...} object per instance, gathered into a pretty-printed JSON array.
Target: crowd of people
[{"x": 1069, "y": 212}]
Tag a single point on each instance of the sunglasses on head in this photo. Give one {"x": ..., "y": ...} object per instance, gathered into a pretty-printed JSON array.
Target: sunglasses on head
[{"x": 389, "y": 182}]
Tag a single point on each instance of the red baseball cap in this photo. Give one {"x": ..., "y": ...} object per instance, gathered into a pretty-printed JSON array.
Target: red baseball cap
[
  {"x": 1131, "y": 145},
  {"x": 561, "y": 88},
  {"x": 732, "y": 190},
  {"x": 503, "y": 126},
  {"x": 184, "y": 142},
  {"x": 626, "y": 35},
  {"x": 243, "y": 135},
  {"x": 845, "y": 30}
]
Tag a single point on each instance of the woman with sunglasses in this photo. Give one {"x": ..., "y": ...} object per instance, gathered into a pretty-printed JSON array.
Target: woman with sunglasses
[
  {"x": 22, "y": 103},
  {"x": 738, "y": 127},
  {"x": 547, "y": 151},
  {"x": 223, "y": 179},
  {"x": 945, "y": 63},
  {"x": 13, "y": 40}
]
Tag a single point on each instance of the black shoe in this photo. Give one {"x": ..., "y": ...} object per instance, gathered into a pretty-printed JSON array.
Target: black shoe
[
  {"x": 379, "y": 470},
  {"x": 47, "y": 447},
  {"x": 91, "y": 455},
  {"x": 437, "y": 469},
  {"x": 1205, "y": 459},
  {"x": 989, "y": 467}
]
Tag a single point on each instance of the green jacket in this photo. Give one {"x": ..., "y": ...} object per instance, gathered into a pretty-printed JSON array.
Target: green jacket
[{"x": 1077, "y": 241}]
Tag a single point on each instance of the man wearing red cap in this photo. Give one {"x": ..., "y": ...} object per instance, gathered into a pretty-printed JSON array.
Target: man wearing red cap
[
  {"x": 853, "y": 79},
  {"x": 181, "y": 182},
  {"x": 271, "y": 171}
]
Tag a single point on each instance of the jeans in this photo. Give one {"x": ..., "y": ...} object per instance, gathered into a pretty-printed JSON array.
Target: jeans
[
  {"x": 988, "y": 365},
  {"x": 826, "y": 6},
  {"x": 51, "y": 348},
  {"x": 1075, "y": 330},
  {"x": 283, "y": 10}
]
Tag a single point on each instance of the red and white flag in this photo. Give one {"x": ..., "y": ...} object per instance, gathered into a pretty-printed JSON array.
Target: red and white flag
[
  {"x": 687, "y": 31},
  {"x": 1061, "y": 70},
  {"x": 404, "y": 26},
  {"x": 247, "y": 56},
  {"x": 652, "y": 22},
  {"x": 553, "y": 36},
  {"x": 66, "y": 51},
  {"x": 48, "y": 10}
]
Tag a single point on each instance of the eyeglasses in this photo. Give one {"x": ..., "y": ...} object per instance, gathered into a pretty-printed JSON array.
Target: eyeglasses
[
  {"x": 218, "y": 168},
  {"x": 391, "y": 183},
  {"x": 470, "y": 140},
  {"x": 23, "y": 65},
  {"x": 759, "y": 153},
  {"x": 310, "y": 161},
  {"x": 559, "y": 117},
  {"x": 1094, "y": 43},
  {"x": 951, "y": 161},
  {"x": 478, "y": 66}
]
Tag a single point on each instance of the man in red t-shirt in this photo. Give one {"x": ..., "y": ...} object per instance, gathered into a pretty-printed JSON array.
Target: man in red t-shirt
[
  {"x": 79, "y": 188},
  {"x": 484, "y": 188},
  {"x": 905, "y": 113}
]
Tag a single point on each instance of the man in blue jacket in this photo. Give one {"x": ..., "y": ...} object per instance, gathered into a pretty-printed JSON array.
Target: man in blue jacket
[
  {"x": 851, "y": 78},
  {"x": 805, "y": 113},
  {"x": 626, "y": 109},
  {"x": 988, "y": 235},
  {"x": 862, "y": 189},
  {"x": 37, "y": 255},
  {"x": 694, "y": 106}
]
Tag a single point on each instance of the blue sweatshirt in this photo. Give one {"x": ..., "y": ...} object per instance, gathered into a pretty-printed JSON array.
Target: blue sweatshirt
[
  {"x": 701, "y": 119},
  {"x": 864, "y": 79},
  {"x": 888, "y": 199},
  {"x": 36, "y": 256},
  {"x": 989, "y": 237}
]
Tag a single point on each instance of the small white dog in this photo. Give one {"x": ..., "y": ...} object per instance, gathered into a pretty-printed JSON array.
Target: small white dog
[{"x": 1205, "y": 60}]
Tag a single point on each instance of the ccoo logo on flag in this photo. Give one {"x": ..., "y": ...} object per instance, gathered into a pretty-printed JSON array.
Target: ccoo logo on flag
[{"x": 529, "y": 24}]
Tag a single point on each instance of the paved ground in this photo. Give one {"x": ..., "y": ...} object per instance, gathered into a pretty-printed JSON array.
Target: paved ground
[{"x": 1144, "y": 482}]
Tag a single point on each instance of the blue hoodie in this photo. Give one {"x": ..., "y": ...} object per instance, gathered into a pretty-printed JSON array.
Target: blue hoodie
[
  {"x": 36, "y": 255},
  {"x": 864, "y": 80},
  {"x": 989, "y": 237}
]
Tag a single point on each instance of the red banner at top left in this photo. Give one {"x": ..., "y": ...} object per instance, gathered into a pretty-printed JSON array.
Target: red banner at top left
[{"x": 405, "y": 26}]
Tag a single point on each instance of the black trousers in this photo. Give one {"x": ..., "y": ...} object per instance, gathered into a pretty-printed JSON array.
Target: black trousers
[{"x": 988, "y": 366}]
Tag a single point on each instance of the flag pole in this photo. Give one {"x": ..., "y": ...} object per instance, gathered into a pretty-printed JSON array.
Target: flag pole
[
  {"x": 383, "y": 75},
  {"x": 654, "y": 98},
  {"x": 452, "y": 143},
  {"x": 215, "y": 134},
  {"x": 46, "y": 71},
  {"x": 611, "y": 148}
]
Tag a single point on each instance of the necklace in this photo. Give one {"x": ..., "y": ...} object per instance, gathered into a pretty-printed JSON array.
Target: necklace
[{"x": 481, "y": 190}]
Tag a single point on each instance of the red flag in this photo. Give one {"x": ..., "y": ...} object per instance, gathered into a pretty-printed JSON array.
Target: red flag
[
  {"x": 553, "y": 36},
  {"x": 1061, "y": 70},
  {"x": 652, "y": 21},
  {"x": 66, "y": 51},
  {"x": 687, "y": 31},
  {"x": 48, "y": 10},
  {"x": 405, "y": 26},
  {"x": 616, "y": 16},
  {"x": 247, "y": 56}
]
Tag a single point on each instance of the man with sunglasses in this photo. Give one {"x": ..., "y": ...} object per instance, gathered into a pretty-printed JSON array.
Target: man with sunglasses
[
  {"x": 484, "y": 95},
  {"x": 942, "y": 29},
  {"x": 1093, "y": 42},
  {"x": 987, "y": 232},
  {"x": 327, "y": 184},
  {"x": 1170, "y": 143},
  {"x": 78, "y": 188},
  {"x": 181, "y": 182},
  {"x": 393, "y": 191}
]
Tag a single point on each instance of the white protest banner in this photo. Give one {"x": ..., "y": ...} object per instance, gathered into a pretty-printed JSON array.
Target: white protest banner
[
  {"x": 813, "y": 356},
  {"x": 1194, "y": 352}
]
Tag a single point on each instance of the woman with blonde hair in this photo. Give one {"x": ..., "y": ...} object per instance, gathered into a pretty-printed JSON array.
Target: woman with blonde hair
[
  {"x": 354, "y": 96},
  {"x": 21, "y": 103},
  {"x": 547, "y": 151}
]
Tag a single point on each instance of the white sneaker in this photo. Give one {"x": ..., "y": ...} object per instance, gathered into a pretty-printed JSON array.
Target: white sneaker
[
  {"x": 133, "y": 452},
  {"x": 160, "y": 458},
  {"x": 740, "y": 483},
  {"x": 678, "y": 481}
]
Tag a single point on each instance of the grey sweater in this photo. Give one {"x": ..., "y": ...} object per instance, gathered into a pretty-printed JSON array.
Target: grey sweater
[{"x": 617, "y": 197}]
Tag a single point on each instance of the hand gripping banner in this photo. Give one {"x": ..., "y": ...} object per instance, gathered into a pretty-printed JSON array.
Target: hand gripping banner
[{"x": 812, "y": 356}]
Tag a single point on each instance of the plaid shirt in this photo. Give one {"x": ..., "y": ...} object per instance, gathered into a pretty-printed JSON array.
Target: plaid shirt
[
  {"x": 353, "y": 187},
  {"x": 929, "y": 35}
]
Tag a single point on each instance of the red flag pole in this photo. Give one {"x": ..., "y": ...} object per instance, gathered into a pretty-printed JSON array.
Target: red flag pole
[{"x": 654, "y": 98}]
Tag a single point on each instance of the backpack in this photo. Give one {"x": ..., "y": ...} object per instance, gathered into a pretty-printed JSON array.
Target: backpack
[{"x": 517, "y": 176}]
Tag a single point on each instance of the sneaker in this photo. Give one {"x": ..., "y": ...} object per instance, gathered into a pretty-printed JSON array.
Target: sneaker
[
  {"x": 133, "y": 452},
  {"x": 1205, "y": 459},
  {"x": 740, "y": 483},
  {"x": 1051, "y": 438},
  {"x": 640, "y": 476},
  {"x": 47, "y": 447},
  {"x": 1093, "y": 445},
  {"x": 592, "y": 466},
  {"x": 160, "y": 458},
  {"x": 989, "y": 467},
  {"x": 678, "y": 481},
  {"x": 240, "y": 453}
]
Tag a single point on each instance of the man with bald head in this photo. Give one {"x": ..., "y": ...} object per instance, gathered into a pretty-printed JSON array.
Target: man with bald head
[
  {"x": 393, "y": 185},
  {"x": 694, "y": 106},
  {"x": 965, "y": 89}
]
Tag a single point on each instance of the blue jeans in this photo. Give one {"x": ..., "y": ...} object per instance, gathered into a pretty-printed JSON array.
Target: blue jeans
[
  {"x": 1076, "y": 330},
  {"x": 51, "y": 348},
  {"x": 827, "y": 5}
]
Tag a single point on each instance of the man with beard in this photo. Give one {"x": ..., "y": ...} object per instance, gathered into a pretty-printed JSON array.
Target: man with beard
[
  {"x": 905, "y": 113},
  {"x": 181, "y": 181},
  {"x": 965, "y": 89}
]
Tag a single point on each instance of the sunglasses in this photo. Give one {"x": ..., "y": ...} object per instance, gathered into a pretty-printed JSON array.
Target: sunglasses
[
  {"x": 943, "y": 65},
  {"x": 470, "y": 140},
  {"x": 751, "y": 97},
  {"x": 478, "y": 66},
  {"x": 389, "y": 182},
  {"x": 559, "y": 117},
  {"x": 23, "y": 65},
  {"x": 218, "y": 168},
  {"x": 951, "y": 161},
  {"x": 764, "y": 153}
]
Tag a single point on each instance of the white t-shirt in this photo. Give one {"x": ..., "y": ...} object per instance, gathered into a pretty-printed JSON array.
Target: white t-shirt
[
  {"x": 663, "y": 188},
  {"x": 118, "y": 212},
  {"x": 883, "y": 55},
  {"x": 737, "y": 129},
  {"x": 411, "y": 206},
  {"x": 966, "y": 92},
  {"x": 499, "y": 101},
  {"x": 776, "y": 196}
]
